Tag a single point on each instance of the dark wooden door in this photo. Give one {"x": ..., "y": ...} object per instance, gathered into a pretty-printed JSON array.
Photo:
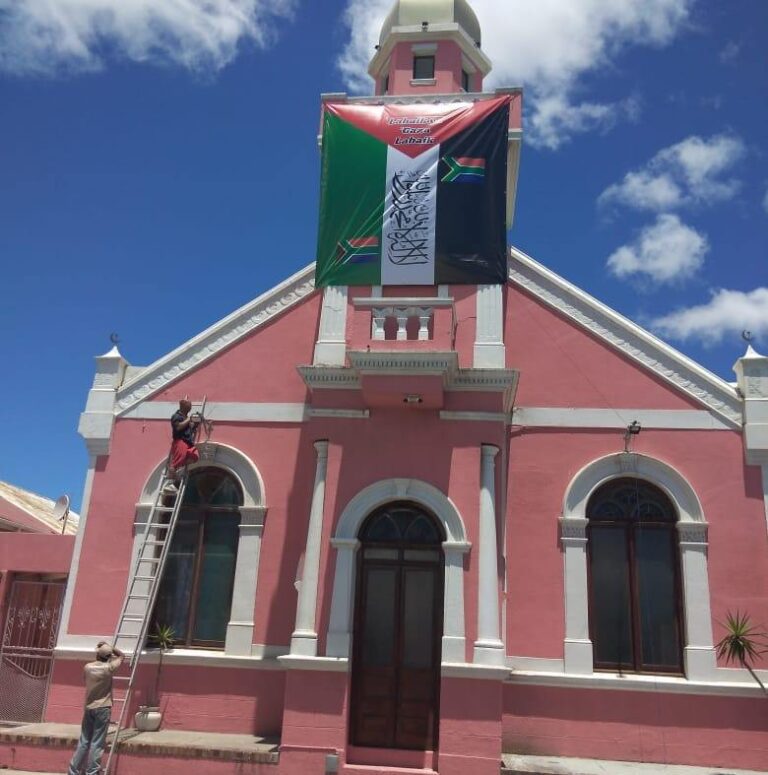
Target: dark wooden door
[{"x": 398, "y": 631}]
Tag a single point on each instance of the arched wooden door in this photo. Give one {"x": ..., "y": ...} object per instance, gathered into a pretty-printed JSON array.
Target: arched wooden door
[{"x": 398, "y": 630}]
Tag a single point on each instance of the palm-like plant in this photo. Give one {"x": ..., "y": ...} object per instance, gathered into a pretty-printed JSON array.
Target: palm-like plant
[
  {"x": 163, "y": 637},
  {"x": 742, "y": 643}
]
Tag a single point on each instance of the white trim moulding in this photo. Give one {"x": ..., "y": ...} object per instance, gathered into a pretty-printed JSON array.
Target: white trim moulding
[{"x": 618, "y": 419}]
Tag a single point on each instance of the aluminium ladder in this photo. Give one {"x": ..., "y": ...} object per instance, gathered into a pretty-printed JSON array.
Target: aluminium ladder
[{"x": 147, "y": 569}]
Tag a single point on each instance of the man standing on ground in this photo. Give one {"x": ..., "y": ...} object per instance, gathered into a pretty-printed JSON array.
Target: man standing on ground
[
  {"x": 183, "y": 449},
  {"x": 98, "y": 708}
]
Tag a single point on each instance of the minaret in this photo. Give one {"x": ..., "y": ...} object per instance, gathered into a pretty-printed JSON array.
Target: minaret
[
  {"x": 429, "y": 47},
  {"x": 433, "y": 47}
]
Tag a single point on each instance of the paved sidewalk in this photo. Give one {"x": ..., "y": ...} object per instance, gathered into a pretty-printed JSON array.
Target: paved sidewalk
[{"x": 515, "y": 764}]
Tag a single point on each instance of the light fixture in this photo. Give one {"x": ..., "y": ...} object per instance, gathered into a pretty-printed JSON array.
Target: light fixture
[
  {"x": 424, "y": 26},
  {"x": 413, "y": 398}
]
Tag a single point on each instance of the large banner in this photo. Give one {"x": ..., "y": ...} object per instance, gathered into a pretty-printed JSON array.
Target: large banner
[{"x": 413, "y": 194}]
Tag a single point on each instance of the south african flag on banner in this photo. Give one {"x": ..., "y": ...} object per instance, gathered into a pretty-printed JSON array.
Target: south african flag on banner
[{"x": 413, "y": 194}]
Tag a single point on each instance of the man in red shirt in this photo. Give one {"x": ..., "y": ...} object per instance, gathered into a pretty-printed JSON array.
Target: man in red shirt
[{"x": 183, "y": 450}]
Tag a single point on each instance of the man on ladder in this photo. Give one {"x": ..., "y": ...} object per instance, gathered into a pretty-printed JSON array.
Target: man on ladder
[{"x": 183, "y": 450}]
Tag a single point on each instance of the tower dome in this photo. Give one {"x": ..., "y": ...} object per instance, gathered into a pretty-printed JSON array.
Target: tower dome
[{"x": 413, "y": 13}]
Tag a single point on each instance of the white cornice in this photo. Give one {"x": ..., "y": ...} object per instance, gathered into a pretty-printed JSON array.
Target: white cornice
[
  {"x": 630, "y": 339},
  {"x": 213, "y": 340}
]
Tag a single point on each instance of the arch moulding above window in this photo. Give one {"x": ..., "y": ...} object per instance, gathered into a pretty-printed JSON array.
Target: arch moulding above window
[
  {"x": 253, "y": 510},
  {"x": 699, "y": 652},
  {"x": 346, "y": 542}
]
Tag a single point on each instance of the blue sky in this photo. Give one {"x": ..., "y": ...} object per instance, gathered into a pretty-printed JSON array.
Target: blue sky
[{"x": 158, "y": 168}]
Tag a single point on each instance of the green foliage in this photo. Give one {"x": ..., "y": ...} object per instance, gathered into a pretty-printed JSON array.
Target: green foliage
[
  {"x": 163, "y": 637},
  {"x": 743, "y": 642}
]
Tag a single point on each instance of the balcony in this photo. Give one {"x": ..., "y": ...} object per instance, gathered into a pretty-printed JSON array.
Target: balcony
[{"x": 403, "y": 323}]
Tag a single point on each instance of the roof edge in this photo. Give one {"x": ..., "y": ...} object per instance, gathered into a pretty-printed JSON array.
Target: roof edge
[
  {"x": 630, "y": 339},
  {"x": 215, "y": 338}
]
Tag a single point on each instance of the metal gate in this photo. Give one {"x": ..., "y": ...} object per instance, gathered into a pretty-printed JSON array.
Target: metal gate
[{"x": 26, "y": 650}]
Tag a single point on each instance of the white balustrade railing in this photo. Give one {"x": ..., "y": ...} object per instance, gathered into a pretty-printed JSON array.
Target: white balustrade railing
[
  {"x": 401, "y": 315},
  {"x": 403, "y": 318}
]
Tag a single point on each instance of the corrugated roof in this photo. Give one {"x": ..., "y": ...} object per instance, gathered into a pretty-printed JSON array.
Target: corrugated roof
[{"x": 31, "y": 512}]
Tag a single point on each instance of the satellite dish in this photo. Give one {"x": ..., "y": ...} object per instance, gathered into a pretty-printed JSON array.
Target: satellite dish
[{"x": 61, "y": 507}]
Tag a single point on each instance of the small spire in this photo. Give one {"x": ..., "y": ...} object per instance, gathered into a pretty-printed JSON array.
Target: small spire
[{"x": 113, "y": 353}]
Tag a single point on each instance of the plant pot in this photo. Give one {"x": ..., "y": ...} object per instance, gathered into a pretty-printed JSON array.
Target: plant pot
[{"x": 148, "y": 719}]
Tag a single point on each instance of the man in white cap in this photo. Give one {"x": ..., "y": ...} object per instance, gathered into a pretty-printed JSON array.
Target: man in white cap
[{"x": 98, "y": 709}]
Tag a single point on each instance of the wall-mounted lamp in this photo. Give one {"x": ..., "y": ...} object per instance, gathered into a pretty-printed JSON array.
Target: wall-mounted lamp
[
  {"x": 413, "y": 398},
  {"x": 424, "y": 26}
]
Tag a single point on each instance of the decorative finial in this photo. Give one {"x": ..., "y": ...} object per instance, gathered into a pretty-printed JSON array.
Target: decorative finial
[{"x": 114, "y": 338}]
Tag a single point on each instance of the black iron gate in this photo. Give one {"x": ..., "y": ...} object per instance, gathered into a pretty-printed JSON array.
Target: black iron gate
[{"x": 26, "y": 650}]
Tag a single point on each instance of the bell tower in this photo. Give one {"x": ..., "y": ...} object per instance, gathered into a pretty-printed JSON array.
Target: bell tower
[{"x": 429, "y": 47}]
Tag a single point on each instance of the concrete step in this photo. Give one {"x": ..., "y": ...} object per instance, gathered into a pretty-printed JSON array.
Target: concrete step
[
  {"x": 47, "y": 748},
  {"x": 516, "y": 764},
  {"x": 26, "y": 772}
]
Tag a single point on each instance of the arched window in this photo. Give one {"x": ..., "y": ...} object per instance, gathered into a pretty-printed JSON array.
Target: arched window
[
  {"x": 195, "y": 594},
  {"x": 634, "y": 611}
]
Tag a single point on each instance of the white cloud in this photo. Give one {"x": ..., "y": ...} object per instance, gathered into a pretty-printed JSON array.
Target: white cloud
[
  {"x": 665, "y": 251},
  {"x": 47, "y": 36},
  {"x": 547, "y": 46},
  {"x": 692, "y": 171},
  {"x": 730, "y": 52},
  {"x": 726, "y": 313}
]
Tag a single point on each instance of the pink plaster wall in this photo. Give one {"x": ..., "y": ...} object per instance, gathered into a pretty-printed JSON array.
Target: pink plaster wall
[
  {"x": 36, "y": 552},
  {"x": 542, "y": 464},
  {"x": 636, "y": 726},
  {"x": 262, "y": 367},
  {"x": 470, "y": 726},
  {"x": 397, "y": 444},
  {"x": 447, "y": 70},
  {"x": 192, "y": 698},
  {"x": 562, "y": 365}
]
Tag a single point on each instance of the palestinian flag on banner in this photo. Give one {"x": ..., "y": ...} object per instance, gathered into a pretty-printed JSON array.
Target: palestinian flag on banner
[{"x": 413, "y": 194}]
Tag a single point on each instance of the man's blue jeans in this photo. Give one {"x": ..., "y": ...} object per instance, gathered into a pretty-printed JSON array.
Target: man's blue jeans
[{"x": 93, "y": 735}]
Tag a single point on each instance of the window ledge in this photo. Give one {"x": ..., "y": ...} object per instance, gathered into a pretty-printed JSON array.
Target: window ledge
[
  {"x": 639, "y": 683},
  {"x": 423, "y": 82}
]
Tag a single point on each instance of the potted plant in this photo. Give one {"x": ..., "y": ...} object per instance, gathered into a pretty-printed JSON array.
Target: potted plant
[
  {"x": 149, "y": 716},
  {"x": 741, "y": 643}
]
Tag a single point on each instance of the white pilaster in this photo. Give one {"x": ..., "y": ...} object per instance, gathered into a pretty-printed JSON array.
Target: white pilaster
[
  {"x": 752, "y": 373},
  {"x": 304, "y": 638},
  {"x": 239, "y": 638},
  {"x": 331, "y": 345},
  {"x": 764, "y": 469},
  {"x": 699, "y": 652},
  {"x": 489, "y": 350},
  {"x": 489, "y": 649},
  {"x": 69, "y": 593},
  {"x": 454, "y": 640},
  {"x": 578, "y": 656},
  {"x": 340, "y": 625}
]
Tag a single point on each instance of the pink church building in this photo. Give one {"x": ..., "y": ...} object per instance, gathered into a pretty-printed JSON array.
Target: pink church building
[{"x": 434, "y": 526}]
